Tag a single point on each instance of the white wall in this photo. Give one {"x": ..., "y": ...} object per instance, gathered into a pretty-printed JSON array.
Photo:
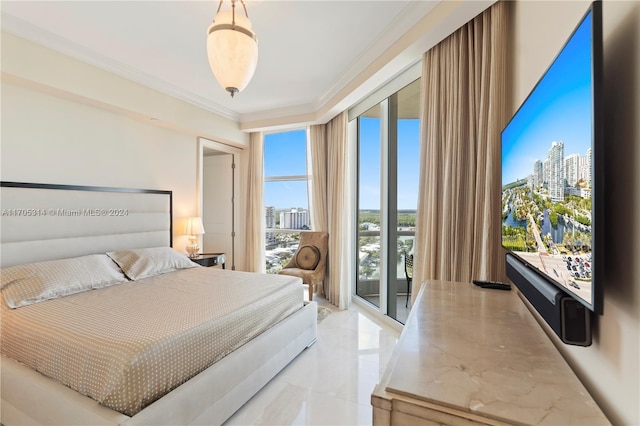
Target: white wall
[
  {"x": 66, "y": 122},
  {"x": 46, "y": 139},
  {"x": 610, "y": 368}
]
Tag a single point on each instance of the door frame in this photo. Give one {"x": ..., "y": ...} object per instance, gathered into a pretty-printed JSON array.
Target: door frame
[{"x": 236, "y": 158}]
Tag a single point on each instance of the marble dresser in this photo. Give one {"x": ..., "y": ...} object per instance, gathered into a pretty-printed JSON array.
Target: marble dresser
[{"x": 477, "y": 356}]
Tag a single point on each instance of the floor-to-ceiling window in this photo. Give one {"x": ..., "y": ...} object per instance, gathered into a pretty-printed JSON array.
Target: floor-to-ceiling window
[
  {"x": 369, "y": 212},
  {"x": 388, "y": 168},
  {"x": 286, "y": 201},
  {"x": 407, "y": 128}
]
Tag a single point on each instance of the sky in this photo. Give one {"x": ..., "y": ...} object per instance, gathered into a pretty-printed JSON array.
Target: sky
[
  {"x": 285, "y": 154},
  {"x": 558, "y": 109},
  {"x": 408, "y": 164}
]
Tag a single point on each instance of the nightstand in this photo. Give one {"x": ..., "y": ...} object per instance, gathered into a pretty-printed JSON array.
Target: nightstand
[{"x": 211, "y": 259}]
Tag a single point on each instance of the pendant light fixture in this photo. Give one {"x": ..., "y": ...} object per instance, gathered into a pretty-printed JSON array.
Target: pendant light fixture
[{"x": 232, "y": 48}]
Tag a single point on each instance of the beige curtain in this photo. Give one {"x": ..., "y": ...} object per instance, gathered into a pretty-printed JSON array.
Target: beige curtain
[
  {"x": 254, "y": 251},
  {"x": 331, "y": 198},
  {"x": 463, "y": 112},
  {"x": 317, "y": 169},
  {"x": 339, "y": 202},
  {"x": 317, "y": 183}
]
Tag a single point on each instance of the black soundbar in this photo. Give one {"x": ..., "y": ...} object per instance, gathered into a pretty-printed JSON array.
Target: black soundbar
[{"x": 567, "y": 317}]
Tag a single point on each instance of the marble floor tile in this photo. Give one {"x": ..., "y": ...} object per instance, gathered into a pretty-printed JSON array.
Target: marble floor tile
[{"x": 331, "y": 382}]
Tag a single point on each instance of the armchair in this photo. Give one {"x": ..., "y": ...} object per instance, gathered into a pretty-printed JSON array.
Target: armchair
[{"x": 310, "y": 260}]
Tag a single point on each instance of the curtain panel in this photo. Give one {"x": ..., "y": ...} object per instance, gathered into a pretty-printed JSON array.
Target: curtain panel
[
  {"x": 254, "y": 251},
  {"x": 317, "y": 170},
  {"x": 464, "y": 108},
  {"x": 340, "y": 190},
  {"x": 331, "y": 190},
  {"x": 317, "y": 184}
]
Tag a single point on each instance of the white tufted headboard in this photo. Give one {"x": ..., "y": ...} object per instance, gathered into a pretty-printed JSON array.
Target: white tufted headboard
[{"x": 44, "y": 221}]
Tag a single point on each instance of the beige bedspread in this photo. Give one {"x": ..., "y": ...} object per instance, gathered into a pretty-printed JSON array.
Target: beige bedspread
[{"x": 127, "y": 345}]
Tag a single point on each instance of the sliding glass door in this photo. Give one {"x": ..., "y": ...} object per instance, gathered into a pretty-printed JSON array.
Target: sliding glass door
[
  {"x": 407, "y": 130},
  {"x": 388, "y": 168}
]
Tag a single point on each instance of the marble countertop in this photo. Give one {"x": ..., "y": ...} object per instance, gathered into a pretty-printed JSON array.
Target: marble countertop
[{"x": 481, "y": 352}]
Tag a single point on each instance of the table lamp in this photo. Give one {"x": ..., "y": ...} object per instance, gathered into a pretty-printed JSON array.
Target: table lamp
[{"x": 193, "y": 228}]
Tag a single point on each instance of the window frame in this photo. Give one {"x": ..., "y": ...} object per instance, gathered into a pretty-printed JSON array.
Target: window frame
[{"x": 289, "y": 178}]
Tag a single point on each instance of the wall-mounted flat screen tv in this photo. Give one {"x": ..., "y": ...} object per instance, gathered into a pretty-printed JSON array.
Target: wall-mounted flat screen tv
[{"x": 552, "y": 169}]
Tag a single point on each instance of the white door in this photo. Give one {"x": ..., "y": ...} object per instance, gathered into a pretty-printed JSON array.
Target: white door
[{"x": 217, "y": 204}]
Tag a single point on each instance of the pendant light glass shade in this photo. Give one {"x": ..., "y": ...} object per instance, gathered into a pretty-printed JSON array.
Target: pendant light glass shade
[{"x": 232, "y": 48}]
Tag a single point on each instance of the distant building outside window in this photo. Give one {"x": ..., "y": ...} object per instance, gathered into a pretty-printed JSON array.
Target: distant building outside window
[{"x": 294, "y": 219}]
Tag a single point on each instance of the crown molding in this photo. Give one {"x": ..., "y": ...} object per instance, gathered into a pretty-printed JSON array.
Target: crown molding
[
  {"x": 419, "y": 26},
  {"x": 403, "y": 54},
  {"x": 18, "y": 27},
  {"x": 410, "y": 15}
]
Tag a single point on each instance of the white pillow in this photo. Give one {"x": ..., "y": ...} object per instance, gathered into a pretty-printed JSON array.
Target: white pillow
[
  {"x": 23, "y": 285},
  {"x": 147, "y": 262}
]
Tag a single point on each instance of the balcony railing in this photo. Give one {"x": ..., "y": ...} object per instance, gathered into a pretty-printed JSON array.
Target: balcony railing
[{"x": 368, "y": 283}]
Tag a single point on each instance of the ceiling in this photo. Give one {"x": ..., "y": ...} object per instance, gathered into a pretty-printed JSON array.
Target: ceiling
[{"x": 314, "y": 56}]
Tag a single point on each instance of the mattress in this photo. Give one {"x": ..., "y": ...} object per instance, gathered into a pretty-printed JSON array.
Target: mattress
[{"x": 129, "y": 344}]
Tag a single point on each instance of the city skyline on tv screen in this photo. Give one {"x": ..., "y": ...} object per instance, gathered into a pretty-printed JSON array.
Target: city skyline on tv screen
[{"x": 547, "y": 170}]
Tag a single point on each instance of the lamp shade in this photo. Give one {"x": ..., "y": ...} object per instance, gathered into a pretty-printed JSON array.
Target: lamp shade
[
  {"x": 194, "y": 226},
  {"x": 232, "y": 49}
]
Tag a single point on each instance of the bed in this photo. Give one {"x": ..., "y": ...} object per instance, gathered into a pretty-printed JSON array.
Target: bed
[{"x": 181, "y": 299}]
